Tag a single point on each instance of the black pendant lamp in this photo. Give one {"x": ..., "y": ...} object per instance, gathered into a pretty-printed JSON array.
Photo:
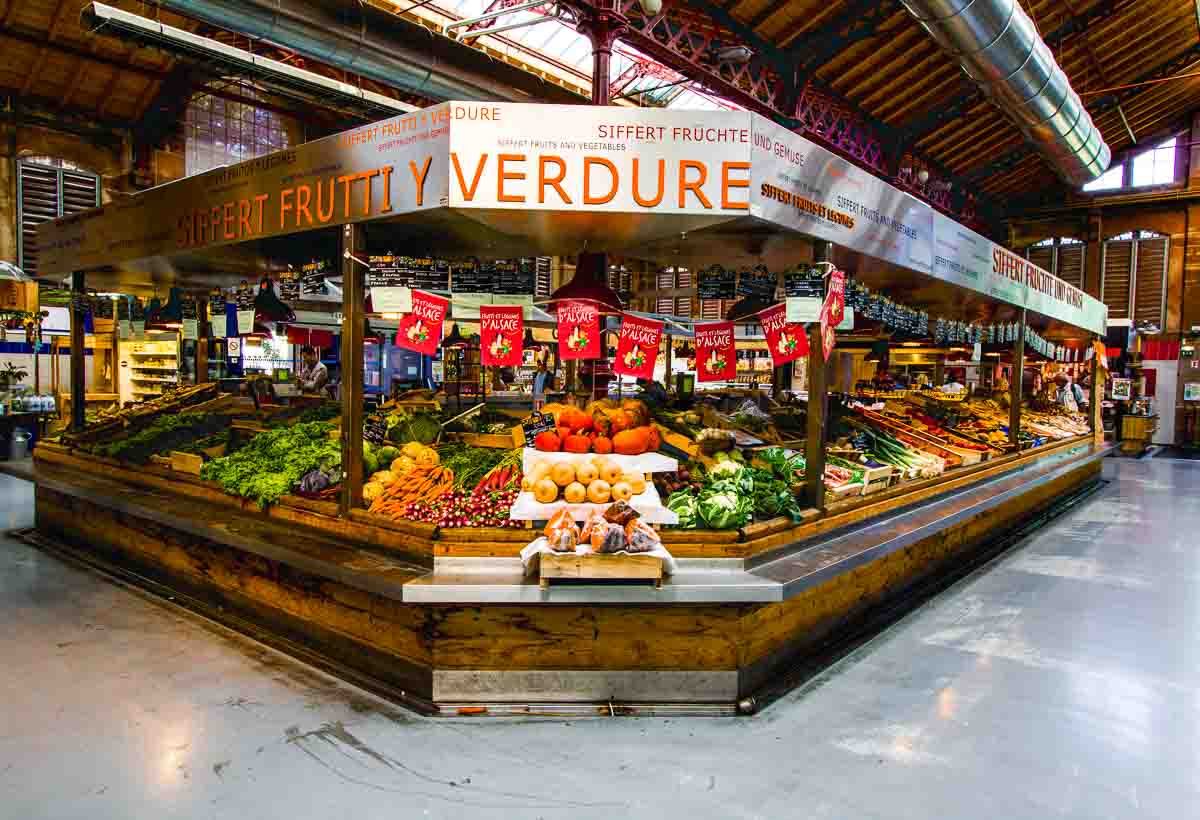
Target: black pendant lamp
[{"x": 454, "y": 339}]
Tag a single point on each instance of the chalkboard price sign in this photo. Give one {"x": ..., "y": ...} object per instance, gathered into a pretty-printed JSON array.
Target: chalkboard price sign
[
  {"x": 375, "y": 430},
  {"x": 716, "y": 282},
  {"x": 536, "y": 423}
]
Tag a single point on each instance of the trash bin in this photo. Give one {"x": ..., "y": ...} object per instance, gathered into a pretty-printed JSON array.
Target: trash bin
[{"x": 18, "y": 446}]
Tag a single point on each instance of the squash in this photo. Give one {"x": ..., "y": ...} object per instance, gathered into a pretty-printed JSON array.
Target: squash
[
  {"x": 602, "y": 444},
  {"x": 575, "y": 493},
  {"x": 371, "y": 491},
  {"x": 384, "y": 477},
  {"x": 428, "y": 457},
  {"x": 563, "y": 473},
  {"x": 638, "y": 412},
  {"x": 622, "y": 491},
  {"x": 599, "y": 492},
  {"x": 610, "y": 472},
  {"x": 412, "y": 449},
  {"x": 402, "y": 465},
  {"x": 577, "y": 444},
  {"x": 631, "y": 442},
  {"x": 545, "y": 491},
  {"x": 587, "y": 472}
]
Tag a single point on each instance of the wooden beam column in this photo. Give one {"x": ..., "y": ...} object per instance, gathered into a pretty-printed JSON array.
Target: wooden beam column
[
  {"x": 1097, "y": 399},
  {"x": 814, "y": 442},
  {"x": 353, "y": 315},
  {"x": 78, "y": 376},
  {"x": 202, "y": 342},
  {"x": 1018, "y": 374}
]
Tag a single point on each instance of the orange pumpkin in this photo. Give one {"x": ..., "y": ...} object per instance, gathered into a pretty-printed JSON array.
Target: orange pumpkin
[
  {"x": 602, "y": 444},
  {"x": 547, "y": 442},
  {"x": 577, "y": 444},
  {"x": 620, "y": 421},
  {"x": 653, "y": 439},
  {"x": 631, "y": 442}
]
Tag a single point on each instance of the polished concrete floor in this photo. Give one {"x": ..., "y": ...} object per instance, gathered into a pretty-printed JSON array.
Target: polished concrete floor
[{"x": 1061, "y": 681}]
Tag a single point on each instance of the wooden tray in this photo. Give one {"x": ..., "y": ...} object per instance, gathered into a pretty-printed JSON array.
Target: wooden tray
[{"x": 599, "y": 568}]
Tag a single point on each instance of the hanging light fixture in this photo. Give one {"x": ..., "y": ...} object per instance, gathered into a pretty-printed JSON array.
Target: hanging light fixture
[
  {"x": 590, "y": 284},
  {"x": 454, "y": 338}
]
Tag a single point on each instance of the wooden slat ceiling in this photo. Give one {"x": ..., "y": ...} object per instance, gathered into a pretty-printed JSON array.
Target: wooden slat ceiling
[{"x": 900, "y": 74}]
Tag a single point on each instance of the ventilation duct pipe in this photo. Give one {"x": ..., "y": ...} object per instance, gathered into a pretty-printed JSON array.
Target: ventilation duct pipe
[
  {"x": 998, "y": 47},
  {"x": 371, "y": 43}
]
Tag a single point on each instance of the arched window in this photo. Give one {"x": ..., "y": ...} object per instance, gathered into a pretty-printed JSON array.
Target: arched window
[
  {"x": 1061, "y": 255},
  {"x": 47, "y": 188},
  {"x": 1134, "y": 279}
]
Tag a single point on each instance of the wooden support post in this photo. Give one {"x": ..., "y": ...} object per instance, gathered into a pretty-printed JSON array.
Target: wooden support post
[
  {"x": 1018, "y": 373},
  {"x": 202, "y": 343},
  {"x": 814, "y": 444},
  {"x": 1097, "y": 399},
  {"x": 353, "y": 313},
  {"x": 939, "y": 372},
  {"x": 78, "y": 377}
]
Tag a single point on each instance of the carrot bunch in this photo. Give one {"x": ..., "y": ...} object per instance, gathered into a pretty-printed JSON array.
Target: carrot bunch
[{"x": 420, "y": 484}]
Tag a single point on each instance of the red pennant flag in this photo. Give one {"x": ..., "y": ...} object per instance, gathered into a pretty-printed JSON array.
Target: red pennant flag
[
  {"x": 421, "y": 330},
  {"x": 716, "y": 358},
  {"x": 501, "y": 332},
  {"x": 786, "y": 341},
  {"x": 835, "y": 297},
  {"x": 637, "y": 347},
  {"x": 578, "y": 330}
]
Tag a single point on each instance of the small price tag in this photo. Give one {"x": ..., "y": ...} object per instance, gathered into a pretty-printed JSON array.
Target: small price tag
[
  {"x": 391, "y": 300},
  {"x": 375, "y": 430},
  {"x": 125, "y": 329},
  {"x": 802, "y": 309},
  {"x": 245, "y": 322},
  {"x": 139, "y": 329},
  {"x": 536, "y": 423},
  {"x": 191, "y": 329}
]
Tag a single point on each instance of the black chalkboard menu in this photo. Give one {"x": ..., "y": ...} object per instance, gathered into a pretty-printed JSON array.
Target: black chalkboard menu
[
  {"x": 312, "y": 277},
  {"x": 757, "y": 282},
  {"x": 804, "y": 282},
  {"x": 389, "y": 271},
  {"x": 289, "y": 285},
  {"x": 534, "y": 424},
  {"x": 716, "y": 282},
  {"x": 465, "y": 277},
  {"x": 375, "y": 430},
  {"x": 430, "y": 274},
  {"x": 514, "y": 275}
]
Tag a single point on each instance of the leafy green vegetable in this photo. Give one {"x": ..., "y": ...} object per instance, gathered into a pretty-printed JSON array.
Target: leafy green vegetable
[
  {"x": 722, "y": 507},
  {"x": 169, "y": 431},
  {"x": 683, "y": 504},
  {"x": 773, "y": 497},
  {"x": 274, "y": 461}
]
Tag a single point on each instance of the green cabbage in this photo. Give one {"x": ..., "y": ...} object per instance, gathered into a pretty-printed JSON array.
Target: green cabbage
[
  {"x": 683, "y": 504},
  {"x": 724, "y": 507}
]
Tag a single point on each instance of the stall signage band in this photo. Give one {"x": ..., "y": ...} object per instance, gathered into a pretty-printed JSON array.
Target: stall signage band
[
  {"x": 578, "y": 330},
  {"x": 501, "y": 331},
  {"x": 716, "y": 356},
  {"x": 637, "y": 347},
  {"x": 786, "y": 341},
  {"x": 421, "y": 330}
]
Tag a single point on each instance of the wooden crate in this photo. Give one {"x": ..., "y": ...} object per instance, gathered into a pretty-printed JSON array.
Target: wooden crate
[
  {"x": 599, "y": 568},
  {"x": 494, "y": 440},
  {"x": 186, "y": 462}
]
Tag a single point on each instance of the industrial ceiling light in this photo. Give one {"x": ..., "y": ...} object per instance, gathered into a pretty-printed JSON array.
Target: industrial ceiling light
[
  {"x": 589, "y": 284},
  {"x": 922, "y": 176},
  {"x": 738, "y": 55}
]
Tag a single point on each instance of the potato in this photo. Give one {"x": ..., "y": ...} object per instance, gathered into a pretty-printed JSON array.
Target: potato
[
  {"x": 611, "y": 473},
  {"x": 599, "y": 492},
  {"x": 545, "y": 491},
  {"x": 563, "y": 473},
  {"x": 587, "y": 473},
  {"x": 622, "y": 491},
  {"x": 575, "y": 493}
]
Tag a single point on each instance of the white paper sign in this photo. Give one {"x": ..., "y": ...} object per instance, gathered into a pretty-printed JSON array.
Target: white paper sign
[
  {"x": 139, "y": 329},
  {"x": 802, "y": 309},
  {"x": 847, "y": 320},
  {"x": 245, "y": 322},
  {"x": 391, "y": 300},
  {"x": 191, "y": 329},
  {"x": 977, "y": 353},
  {"x": 125, "y": 329},
  {"x": 219, "y": 325}
]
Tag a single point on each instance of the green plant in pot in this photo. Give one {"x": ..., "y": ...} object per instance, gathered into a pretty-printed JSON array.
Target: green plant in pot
[{"x": 11, "y": 376}]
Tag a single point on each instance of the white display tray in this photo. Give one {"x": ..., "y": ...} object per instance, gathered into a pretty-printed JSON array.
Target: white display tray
[
  {"x": 649, "y": 504},
  {"x": 645, "y": 463}
]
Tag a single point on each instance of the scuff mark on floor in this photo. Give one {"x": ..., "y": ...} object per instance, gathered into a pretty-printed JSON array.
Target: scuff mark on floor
[
  {"x": 898, "y": 743},
  {"x": 219, "y": 768},
  {"x": 1075, "y": 568}
]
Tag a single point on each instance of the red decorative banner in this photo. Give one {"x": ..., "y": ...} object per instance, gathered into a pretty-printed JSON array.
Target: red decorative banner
[
  {"x": 421, "y": 330},
  {"x": 828, "y": 326},
  {"x": 835, "y": 296},
  {"x": 637, "y": 347},
  {"x": 501, "y": 332},
  {"x": 787, "y": 342},
  {"x": 716, "y": 358},
  {"x": 578, "y": 330}
]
